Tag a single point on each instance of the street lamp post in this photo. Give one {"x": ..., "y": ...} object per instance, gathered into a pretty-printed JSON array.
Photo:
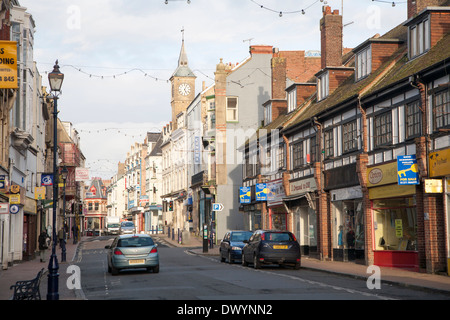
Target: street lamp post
[
  {"x": 55, "y": 79},
  {"x": 64, "y": 173}
]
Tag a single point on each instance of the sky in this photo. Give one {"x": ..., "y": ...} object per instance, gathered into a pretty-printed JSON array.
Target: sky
[{"x": 118, "y": 55}]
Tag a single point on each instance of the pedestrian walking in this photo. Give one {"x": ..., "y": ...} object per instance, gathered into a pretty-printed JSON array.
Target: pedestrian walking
[
  {"x": 75, "y": 233},
  {"x": 44, "y": 241}
]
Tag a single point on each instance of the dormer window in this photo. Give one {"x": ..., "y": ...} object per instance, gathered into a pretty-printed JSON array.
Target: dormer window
[
  {"x": 292, "y": 100},
  {"x": 323, "y": 86},
  {"x": 419, "y": 38},
  {"x": 267, "y": 114},
  {"x": 363, "y": 63}
]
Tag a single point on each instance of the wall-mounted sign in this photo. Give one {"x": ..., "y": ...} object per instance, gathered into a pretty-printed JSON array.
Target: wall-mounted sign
[
  {"x": 8, "y": 68},
  {"x": 407, "y": 170},
  {"x": 4, "y": 208},
  {"x": 14, "y": 208},
  {"x": 433, "y": 186}
]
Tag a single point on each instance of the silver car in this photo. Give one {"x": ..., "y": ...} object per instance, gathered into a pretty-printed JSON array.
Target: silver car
[
  {"x": 127, "y": 227},
  {"x": 133, "y": 252}
]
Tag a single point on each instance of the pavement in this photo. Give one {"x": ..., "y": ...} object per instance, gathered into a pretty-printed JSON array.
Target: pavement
[{"x": 27, "y": 270}]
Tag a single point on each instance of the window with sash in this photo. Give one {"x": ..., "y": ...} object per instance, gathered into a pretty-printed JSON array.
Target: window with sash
[
  {"x": 349, "y": 137},
  {"x": 329, "y": 143},
  {"x": 441, "y": 109},
  {"x": 297, "y": 155},
  {"x": 383, "y": 129},
  {"x": 412, "y": 115}
]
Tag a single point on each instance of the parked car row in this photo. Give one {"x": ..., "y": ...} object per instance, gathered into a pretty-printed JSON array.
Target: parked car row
[{"x": 261, "y": 247}]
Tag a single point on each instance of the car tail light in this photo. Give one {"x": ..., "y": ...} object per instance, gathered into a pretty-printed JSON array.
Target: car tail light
[
  {"x": 293, "y": 236},
  {"x": 117, "y": 252},
  {"x": 154, "y": 250}
]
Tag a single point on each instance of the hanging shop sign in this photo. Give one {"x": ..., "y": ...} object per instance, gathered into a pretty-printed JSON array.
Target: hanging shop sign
[
  {"x": 39, "y": 193},
  {"x": 245, "y": 195},
  {"x": 46, "y": 179},
  {"x": 261, "y": 192},
  {"x": 8, "y": 65},
  {"x": 407, "y": 170}
]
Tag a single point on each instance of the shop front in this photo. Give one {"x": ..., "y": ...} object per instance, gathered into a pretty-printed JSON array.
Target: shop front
[
  {"x": 439, "y": 172},
  {"x": 347, "y": 214},
  {"x": 301, "y": 202},
  {"x": 394, "y": 219},
  {"x": 277, "y": 212}
]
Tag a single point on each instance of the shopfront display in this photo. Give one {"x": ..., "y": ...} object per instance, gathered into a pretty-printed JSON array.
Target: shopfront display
[
  {"x": 394, "y": 219},
  {"x": 301, "y": 203},
  {"x": 348, "y": 230}
]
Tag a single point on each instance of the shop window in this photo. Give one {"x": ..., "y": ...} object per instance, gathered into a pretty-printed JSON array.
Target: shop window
[
  {"x": 348, "y": 230},
  {"x": 395, "y": 224}
]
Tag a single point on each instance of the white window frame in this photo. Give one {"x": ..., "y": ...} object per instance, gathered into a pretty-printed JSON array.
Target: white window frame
[
  {"x": 419, "y": 38},
  {"x": 323, "y": 86},
  {"x": 292, "y": 100},
  {"x": 267, "y": 114},
  {"x": 234, "y": 110},
  {"x": 363, "y": 63}
]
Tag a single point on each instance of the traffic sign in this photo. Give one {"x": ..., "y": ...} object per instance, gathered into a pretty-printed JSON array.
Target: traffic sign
[{"x": 217, "y": 207}]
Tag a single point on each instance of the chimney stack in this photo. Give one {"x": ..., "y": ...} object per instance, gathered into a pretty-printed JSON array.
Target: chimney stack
[
  {"x": 415, "y": 6},
  {"x": 331, "y": 38}
]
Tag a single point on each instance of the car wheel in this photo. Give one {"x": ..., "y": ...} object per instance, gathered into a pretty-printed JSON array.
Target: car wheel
[
  {"x": 222, "y": 259},
  {"x": 114, "y": 271},
  {"x": 244, "y": 263},
  {"x": 109, "y": 269},
  {"x": 297, "y": 266},
  {"x": 230, "y": 261},
  {"x": 156, "y": 269},
  {"x": 256, "y": 263}
]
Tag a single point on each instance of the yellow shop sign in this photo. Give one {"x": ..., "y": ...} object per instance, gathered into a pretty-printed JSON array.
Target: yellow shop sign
[{"x": 439, "y": 163}]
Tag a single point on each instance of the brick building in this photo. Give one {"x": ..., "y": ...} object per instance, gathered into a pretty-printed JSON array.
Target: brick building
[{"x": 345, "y": 135}]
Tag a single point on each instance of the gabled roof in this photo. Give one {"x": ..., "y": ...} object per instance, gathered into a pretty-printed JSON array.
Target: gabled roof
[{"x": 405, "y": 68}]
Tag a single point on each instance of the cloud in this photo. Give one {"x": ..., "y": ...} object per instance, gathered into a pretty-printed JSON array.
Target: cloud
[{"x": 109, "y": 37}]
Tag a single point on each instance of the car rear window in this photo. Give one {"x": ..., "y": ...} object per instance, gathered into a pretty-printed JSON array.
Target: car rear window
[
  {"x": 240, "y": 236},
  {"x": 135, "y": 242},
  {"x": 278, "y": 236}
]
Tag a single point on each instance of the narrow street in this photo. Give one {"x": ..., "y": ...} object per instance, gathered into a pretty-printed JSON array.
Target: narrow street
[{"x": 187, "y": 276}]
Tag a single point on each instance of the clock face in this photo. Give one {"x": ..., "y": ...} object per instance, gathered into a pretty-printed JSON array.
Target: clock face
[{"x": 184, "y": 89}]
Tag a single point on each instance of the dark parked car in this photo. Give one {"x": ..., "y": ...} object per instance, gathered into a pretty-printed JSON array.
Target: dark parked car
[
  {"x": 132, "y": 252},
  {"x": 271, "y": 247},
  {"x": 232, "y": 244}
]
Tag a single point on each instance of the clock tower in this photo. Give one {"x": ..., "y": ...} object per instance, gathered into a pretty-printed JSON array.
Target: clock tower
[{"x": 183, "y": 86}]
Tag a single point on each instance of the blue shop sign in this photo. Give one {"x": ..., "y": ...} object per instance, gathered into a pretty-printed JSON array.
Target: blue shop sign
[
  {"x": 261, "y": 192},
  {"x": 244, "y": 194},
  {"x": 407, "y": 170}
]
